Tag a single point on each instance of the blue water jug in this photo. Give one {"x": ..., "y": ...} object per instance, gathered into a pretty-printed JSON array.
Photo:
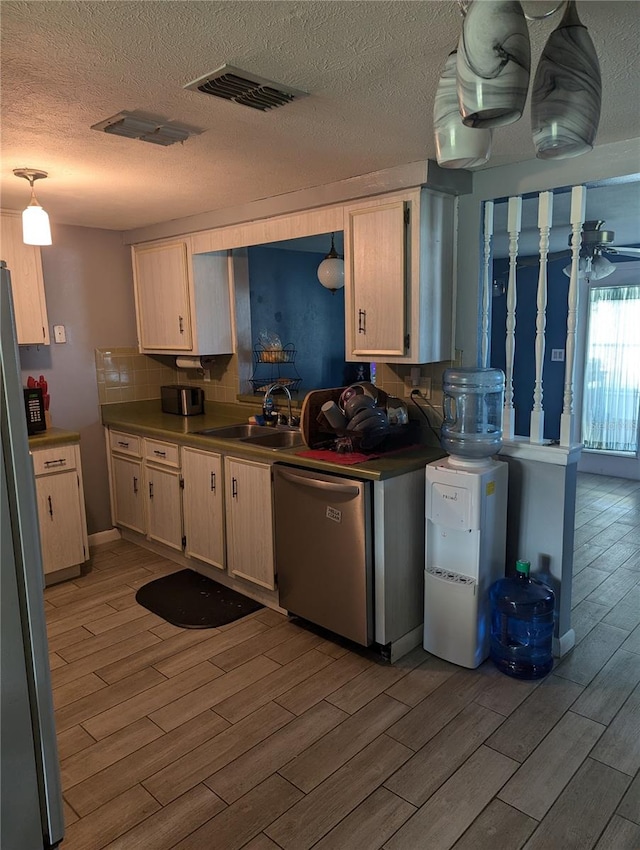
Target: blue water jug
[{"x": 522, "y": 625}]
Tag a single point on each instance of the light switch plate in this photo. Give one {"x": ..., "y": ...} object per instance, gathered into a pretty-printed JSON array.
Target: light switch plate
[
  {"x": 59, "y": 334},
  {"x": 557, "y": 354}
]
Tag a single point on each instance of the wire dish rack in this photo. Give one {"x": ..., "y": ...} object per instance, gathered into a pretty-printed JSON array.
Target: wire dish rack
[{"x": 275, "y": 366}]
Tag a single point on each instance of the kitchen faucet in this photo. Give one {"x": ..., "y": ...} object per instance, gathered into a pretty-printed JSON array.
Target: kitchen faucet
[{"x": 270, "y": 414}]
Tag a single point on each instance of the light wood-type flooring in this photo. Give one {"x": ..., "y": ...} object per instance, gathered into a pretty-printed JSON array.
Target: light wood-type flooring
[{"x": 264, "y": 735}]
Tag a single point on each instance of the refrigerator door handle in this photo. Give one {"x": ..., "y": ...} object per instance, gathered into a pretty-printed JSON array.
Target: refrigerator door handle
[{"x": 347, "y": 489}]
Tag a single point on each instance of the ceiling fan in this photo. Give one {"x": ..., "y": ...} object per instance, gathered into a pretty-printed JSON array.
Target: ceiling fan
[{"x": 596, "y": 244}]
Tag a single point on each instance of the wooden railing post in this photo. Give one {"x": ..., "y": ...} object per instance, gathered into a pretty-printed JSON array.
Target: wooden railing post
[
  {"x": 578, "y": 204},
  {"x": 514, "y": 221},
  {"x": 545, "y": 219},
  {"x": 486, "y": 281}
]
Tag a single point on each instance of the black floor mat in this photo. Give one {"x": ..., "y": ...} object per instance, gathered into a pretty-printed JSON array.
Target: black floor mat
[{"x": 193, "y": 601}]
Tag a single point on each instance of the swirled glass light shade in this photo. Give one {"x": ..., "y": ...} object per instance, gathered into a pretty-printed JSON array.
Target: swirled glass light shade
[
  {"x": 457, "y": 146},
  {"x": 494, "y": 58},
  {"x": 567, "y": 91}
]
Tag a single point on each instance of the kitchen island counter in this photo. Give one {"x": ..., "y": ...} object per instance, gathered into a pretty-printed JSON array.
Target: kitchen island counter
[{"x": 145, "y": 418}]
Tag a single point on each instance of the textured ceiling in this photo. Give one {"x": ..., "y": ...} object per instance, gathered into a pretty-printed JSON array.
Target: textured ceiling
[{"x": 371, "y": 69}]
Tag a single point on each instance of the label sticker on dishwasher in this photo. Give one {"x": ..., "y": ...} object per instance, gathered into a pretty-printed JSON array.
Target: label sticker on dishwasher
[{"x": 333, "y": 514}]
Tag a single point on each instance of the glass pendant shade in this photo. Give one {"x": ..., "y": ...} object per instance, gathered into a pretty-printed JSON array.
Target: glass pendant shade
[
  {"x": 331, "y": 270},
  {"x": 567, "y": 91},
  {"x": 493, "y": 63},
  {"x": 457, "y": 146},
  {"x": 36, "y": 229},
  {"x": 595, "y": 268}
]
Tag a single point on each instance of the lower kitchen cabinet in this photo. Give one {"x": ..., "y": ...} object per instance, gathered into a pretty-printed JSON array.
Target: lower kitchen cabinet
[
  {"x": 164, "y": 489},
  {"x": 249, "y": 511},
  {"x": 61, "y": 512},
  {"x": 203, "y": 504},
  {"x": 128, "y": 493},
  {"x": 127, "y": 481}
]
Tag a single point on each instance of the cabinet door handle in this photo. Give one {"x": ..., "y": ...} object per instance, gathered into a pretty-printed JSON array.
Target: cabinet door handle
[
  {"x": 50, "y": 506},
  {"x": 213, "y": 482},
  {"x": 135, "y": 484},
  {"x": 362, "y": 321},
  {"x": 181, "y": 324},
  {"x": 59, "y": 462},
  {"x": 123, "y": 445},
  {"x": 159, "y": 453},
  {"x": 151, "y": 489},
  {"x": 234, "y": 488}
]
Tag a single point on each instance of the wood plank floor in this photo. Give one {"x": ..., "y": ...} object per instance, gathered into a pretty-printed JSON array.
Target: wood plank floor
[{"x": 263, "y": 735}]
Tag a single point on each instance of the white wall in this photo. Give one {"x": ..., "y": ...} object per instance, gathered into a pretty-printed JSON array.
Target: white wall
[{"x": 89, "y": 289}]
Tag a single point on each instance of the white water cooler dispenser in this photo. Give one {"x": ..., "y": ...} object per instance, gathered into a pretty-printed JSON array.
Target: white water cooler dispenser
[{"x": 466, "y": 518}]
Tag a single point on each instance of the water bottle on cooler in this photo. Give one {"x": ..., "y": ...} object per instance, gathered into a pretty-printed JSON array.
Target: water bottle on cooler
[{"x": 522, "y": 625}]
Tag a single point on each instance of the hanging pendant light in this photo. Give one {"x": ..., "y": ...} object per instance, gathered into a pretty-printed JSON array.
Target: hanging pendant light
[
  {"x": 494, "y": 58},
  {"x": 567, "y": 91},
  {"x": 457, "y": 146},
  {"x": 36, "y": 229},
  {"x": 331, "y": 270}
]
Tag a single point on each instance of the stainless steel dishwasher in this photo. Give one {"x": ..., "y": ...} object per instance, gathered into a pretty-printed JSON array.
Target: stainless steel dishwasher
[{"x": 323, "y": 550}]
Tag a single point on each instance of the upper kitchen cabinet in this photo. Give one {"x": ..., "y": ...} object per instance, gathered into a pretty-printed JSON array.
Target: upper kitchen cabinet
[
  {"x": 398, "y": 253},
  {"x": 27, "y": 282},
  {"x": 183, "y": 300}
]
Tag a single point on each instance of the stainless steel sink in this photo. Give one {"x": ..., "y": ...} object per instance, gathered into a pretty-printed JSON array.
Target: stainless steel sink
[
  {"x": 278, "y": 437},
  {"x": 235, "y": 432}
]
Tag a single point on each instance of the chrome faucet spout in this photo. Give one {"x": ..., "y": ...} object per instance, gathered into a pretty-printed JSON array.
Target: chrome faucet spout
[{"x": 272, "y": 388}]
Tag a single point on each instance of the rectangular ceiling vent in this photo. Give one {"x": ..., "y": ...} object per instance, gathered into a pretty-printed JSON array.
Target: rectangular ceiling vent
[
  {"x": 146, "y": 128},
  {"x": 238, "y": 86}
]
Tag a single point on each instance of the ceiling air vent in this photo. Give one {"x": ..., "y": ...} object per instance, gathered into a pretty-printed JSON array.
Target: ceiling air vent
[
  {"x": 246, "y": 89},
  {"x": 146, "y": 128}
]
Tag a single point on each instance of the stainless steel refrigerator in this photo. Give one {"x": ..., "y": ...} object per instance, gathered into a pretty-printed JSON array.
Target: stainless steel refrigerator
[{"x": 31, "y": 800}]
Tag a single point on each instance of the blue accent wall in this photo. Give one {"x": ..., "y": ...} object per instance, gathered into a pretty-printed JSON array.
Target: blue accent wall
[
  {"x": 524, "y": 368},
  {"x": 288, "y": 299}
]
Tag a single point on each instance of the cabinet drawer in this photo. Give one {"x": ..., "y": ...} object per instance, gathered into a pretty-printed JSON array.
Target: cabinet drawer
[
  {"x": 124, "y": 443},
  {"x": 156, "y": 451},
  {"x": 57, "y": 459}
]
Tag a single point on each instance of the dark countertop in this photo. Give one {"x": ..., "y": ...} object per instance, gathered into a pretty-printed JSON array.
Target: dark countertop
[
  {"x": 146, "y": 419},
  {"x": 53, "y": 437}
]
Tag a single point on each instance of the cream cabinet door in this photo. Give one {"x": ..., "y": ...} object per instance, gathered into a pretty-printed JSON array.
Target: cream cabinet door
[
  {"x": 27, "y": 282},
  {"x": 165, "y": 506},
  {"x": 162, "y": 291},
  {"x": 61, "y": 520},
  {"x": 376, "y": 280},
  {"x": 203, "y": 506},
  {"x": 249, "y": 514},
  {"x": 128, "y": 492}
]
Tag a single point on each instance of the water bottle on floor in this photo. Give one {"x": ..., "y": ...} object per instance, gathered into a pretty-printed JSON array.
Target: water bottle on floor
[{"x": 522, "y": 625}]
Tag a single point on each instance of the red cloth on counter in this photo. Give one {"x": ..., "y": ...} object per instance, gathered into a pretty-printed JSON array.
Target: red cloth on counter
[{"x": 349, "y": 458}]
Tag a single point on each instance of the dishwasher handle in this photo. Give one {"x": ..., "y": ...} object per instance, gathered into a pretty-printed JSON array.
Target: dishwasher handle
[{"x": 333, "y": 487}]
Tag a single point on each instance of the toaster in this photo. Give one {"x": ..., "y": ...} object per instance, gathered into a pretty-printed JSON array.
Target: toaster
[{"x": 182, "y": 399}]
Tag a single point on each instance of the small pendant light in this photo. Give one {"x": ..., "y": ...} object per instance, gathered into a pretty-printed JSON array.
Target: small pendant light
[
  {"x": 331, "y": 270},
  {"x": 567, "y": 91},
  {"x": 36, "y": 229}
]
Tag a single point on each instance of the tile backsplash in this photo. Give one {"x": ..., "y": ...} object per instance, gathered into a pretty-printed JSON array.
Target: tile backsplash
[{"x": 123, "y": 374}]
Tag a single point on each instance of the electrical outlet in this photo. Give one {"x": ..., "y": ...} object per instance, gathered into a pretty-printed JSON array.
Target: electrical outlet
[
  {"x": 424, "y": 387},
  {"x": 206, "y": 377}
]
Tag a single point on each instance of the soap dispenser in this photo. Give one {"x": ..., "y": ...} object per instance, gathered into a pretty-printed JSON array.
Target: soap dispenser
[{"x": 268, "y": 411}]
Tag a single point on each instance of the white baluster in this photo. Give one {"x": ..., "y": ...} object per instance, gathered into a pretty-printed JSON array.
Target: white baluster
[
  {"x": 486, "y": 281},
  {"x": 514, "y": 220},
  {"x": 545, "y": 220},
  {"x": 578, "y": 204}
]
